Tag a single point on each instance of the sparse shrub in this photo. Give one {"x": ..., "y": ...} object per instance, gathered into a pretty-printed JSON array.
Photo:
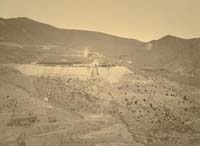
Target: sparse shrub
[
  {"x": 151, "y": 105},
  {"x": 136, "y": 102},
  {"x": 185, "y": 98}
]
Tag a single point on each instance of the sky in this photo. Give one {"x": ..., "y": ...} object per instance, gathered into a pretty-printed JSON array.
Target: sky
[{"x": 144, "y": 20}]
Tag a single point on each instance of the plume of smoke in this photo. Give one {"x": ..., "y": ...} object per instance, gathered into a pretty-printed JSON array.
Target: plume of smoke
[{"x": 86, "y": 52}]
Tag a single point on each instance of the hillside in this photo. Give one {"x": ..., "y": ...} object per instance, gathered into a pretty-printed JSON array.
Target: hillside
[
  {"x": 131, "y": 111},
  {"x": 23, "y": 40}
]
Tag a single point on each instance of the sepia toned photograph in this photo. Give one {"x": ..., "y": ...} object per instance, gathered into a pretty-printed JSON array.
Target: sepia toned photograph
[{"x": 99, "y": 72}]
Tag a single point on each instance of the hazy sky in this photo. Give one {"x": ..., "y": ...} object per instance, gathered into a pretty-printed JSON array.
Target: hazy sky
[{"x": 140, "y": 19}]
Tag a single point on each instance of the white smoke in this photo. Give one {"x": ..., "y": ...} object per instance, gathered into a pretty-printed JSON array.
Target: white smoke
[{"x": 86, "y": 52}]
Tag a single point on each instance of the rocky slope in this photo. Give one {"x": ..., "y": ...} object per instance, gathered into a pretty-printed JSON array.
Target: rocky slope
[{"x": 134, "y": 110}]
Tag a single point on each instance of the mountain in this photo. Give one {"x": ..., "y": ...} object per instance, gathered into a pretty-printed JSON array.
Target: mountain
[
  {"x": 24, "y": 40},
  {"x": 173, "y": 53},
  {"x": 173, "y": 57},
  {"x": 25, "y": 31}
]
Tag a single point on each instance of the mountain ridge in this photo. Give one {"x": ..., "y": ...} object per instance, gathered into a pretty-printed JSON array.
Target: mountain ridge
[
  {"x": 162, "y": 37},
  {"x": 26, "y": 19}
]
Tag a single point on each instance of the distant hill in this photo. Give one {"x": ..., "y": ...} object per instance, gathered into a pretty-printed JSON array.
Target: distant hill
[{"x": 22, "y": 39}]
